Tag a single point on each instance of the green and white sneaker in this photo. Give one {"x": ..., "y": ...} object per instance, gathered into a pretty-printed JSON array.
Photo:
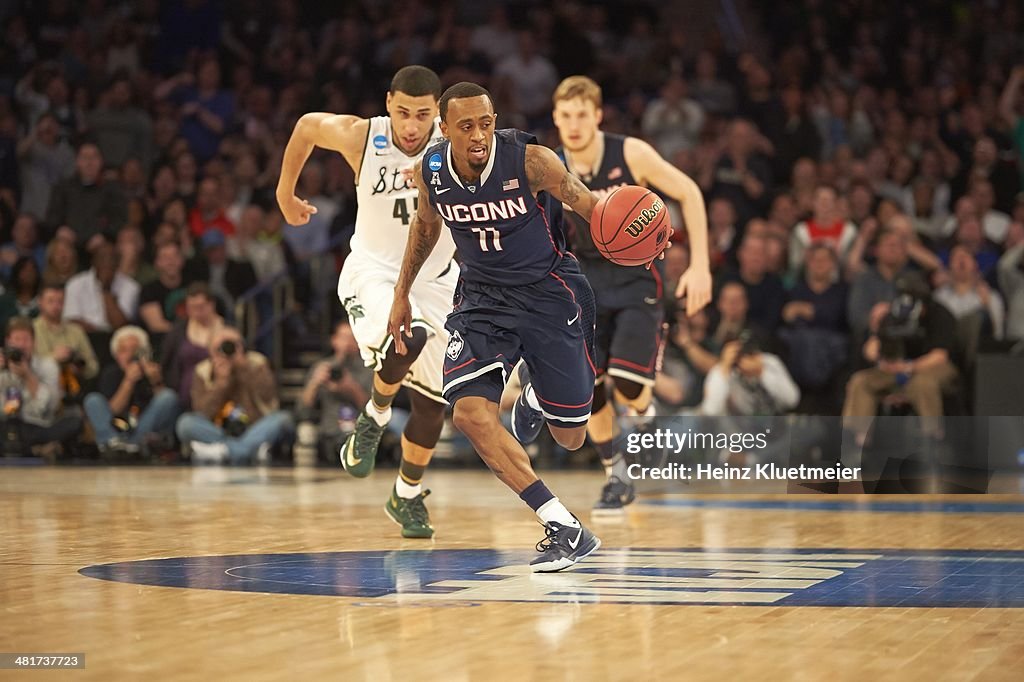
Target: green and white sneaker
[
  {"x": 359, "y": 453},
  {"x": 411, "y": 514}
]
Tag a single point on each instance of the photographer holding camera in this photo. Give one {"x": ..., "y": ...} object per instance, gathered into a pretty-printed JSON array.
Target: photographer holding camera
[
  {"x": 234, "y": 396},
  {"x": 910, "y": 343},
  {"x": 131, "y": 405},
  {"x": 748, "y": 382},
  {"x": 30, "y": 394},
  {"x": 335, "y": 386},
  {"x": 65, "y": 342}
]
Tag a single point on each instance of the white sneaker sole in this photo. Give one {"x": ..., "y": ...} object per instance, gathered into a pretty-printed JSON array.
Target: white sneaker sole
[{"x": 564, "y": 562}]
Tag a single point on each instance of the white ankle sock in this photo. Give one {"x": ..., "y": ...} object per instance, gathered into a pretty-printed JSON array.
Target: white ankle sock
[
  {"x": 381, "y": 417},
  {"x": 406, "y": 491},
  {"x": 553, "y": 510}
]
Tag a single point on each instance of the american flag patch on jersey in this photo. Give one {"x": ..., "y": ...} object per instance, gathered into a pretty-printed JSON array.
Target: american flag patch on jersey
[{"x": 510, "y": 185}]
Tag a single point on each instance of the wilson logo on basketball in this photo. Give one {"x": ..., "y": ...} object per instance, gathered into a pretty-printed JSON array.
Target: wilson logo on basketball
[{"x": 646, "y": 217}]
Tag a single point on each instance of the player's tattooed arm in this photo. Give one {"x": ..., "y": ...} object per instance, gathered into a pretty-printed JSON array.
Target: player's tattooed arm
[
  {"x": 547, "y": 173},
  {"x": 424, "y": 232},
  {"x": 423, "y": 235}
]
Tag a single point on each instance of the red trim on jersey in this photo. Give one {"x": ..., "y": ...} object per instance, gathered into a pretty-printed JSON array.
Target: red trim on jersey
[
  {"x": 547, "y": 226},
  {"x": 568, "y": 407},
  {"x": 585, "y": 349},
  {"x": 657, "y": 279},
  {"x": 633, "y": 365},
  {"x": 655, "y": 364},
  {"x": 499, "y": 356},
  {"x": 467, "y": 362}
]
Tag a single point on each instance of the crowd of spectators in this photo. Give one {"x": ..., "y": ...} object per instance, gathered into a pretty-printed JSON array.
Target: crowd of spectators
[{"x": 848, "y": 151}]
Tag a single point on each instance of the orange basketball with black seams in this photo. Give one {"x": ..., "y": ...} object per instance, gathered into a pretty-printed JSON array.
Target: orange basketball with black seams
[{"x": 630, "y": 225}]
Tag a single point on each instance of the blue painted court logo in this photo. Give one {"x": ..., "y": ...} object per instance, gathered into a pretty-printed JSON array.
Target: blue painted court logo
[
  {"x": 783, "y": 577},
  {"x": 434, "y": 163},
  {"x": 380, "y": 141}
]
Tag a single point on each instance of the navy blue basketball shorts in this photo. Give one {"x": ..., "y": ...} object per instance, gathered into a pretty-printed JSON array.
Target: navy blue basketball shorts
[
  {"x": 630, "y": 322},
  {"x": 549, "y": 324}
]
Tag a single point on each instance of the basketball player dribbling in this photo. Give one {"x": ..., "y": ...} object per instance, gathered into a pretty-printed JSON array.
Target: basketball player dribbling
[
  {"x": 520, "y": 295},
  {"x": 630, "y": 314},
  {"x": 379, "y": 149}
]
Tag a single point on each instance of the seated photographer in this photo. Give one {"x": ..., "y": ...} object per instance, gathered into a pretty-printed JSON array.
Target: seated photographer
[
  {"x": 131, "y": 406},
  {"x": 65, "y": 342},
  {"x": 332, "y": 385},
  {"x": 747, "y": 382},
  {"x": 234, "y": 396},
  {"x": 30, "y": 394},
  {"x": 910, "y": 344}
]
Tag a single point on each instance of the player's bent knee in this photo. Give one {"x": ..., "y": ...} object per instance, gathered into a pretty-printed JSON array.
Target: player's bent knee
[
  {"x": 394, "y": 367},
  {"x": 570, "y": 439},
  {"x": 414, "y": 344}
]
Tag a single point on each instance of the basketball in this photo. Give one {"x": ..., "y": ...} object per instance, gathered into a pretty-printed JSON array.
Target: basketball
[{"x": 630, "y": 225}]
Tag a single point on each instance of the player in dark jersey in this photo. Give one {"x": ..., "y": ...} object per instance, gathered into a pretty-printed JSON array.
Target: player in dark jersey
[
  {"x": 520, "y": 295},
  {"x": 630, "y": 314}
]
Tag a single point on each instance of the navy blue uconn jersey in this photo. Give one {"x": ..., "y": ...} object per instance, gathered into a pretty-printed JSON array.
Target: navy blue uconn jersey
[
  {"x": 505, "y": 236},
  {"x": 612, "y": 173}
]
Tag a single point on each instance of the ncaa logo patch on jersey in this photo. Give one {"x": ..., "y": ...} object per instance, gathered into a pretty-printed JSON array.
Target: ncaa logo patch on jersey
[
  {"x": 434, "y": 163},
  {"x": 455, "y": 345},
  {"x": 380, "y": 141}
]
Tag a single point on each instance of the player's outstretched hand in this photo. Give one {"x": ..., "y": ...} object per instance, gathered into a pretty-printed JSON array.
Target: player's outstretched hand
[
  {"x": 400, "y": 322},
  {"x": 296, "y": 211},
  {"x": 695, "y": 284}
]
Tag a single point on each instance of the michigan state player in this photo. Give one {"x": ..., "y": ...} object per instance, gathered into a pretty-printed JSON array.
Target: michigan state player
[
  {"x": 379, "y": 149},
  {"x": 520, "y": 295},
  {"x": 630, "y": 315}
]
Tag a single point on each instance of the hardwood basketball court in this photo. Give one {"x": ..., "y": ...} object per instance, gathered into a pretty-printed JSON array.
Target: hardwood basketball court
[{"x": 263, "y": 574}]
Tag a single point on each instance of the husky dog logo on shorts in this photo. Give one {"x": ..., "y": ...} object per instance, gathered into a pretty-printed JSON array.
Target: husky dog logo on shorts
[{"x": 455, "y": 345}]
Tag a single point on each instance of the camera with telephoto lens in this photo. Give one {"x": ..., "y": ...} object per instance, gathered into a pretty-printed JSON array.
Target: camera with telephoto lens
[
  {"x": 748, "y": 344},
  {"x": 74, "y": 360},
  {"x": 903, "y": 323},
  {"x": 236, "y": 422},
  {"x": 228, "y": 347},
  {"x": 14, "y": 355}
]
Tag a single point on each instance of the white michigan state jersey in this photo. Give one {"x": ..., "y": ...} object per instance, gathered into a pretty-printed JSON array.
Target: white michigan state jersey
[{"x": 387, "y": 205}]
